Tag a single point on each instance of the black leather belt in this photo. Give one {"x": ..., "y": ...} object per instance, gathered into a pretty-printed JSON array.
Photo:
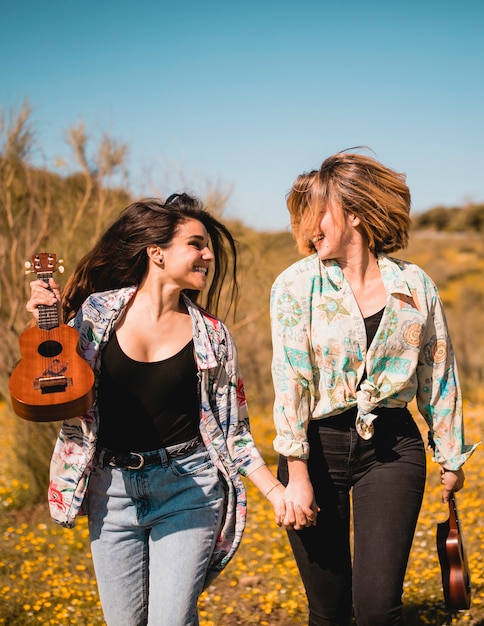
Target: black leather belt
[{"x": 138, "y": 460}]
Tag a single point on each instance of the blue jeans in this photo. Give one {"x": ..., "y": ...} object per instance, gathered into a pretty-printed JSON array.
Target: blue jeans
[
  {"x": 152, "y": 534},
  {"x": 386, "y": 475}
]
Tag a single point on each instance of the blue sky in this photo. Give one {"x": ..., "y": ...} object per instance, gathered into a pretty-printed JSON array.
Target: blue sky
[{"x": 246, "y": 95}]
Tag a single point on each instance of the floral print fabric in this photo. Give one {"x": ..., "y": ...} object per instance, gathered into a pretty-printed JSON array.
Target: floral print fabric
[
  {"x": 224, "y": 420},
  {"x": 322, "y": 365}
]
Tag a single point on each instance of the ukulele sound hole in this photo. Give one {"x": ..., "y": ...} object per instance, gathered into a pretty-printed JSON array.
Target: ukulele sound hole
[{"x": 49, "y": 348}]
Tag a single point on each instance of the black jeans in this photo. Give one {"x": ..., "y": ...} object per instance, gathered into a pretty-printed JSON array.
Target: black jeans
[{"x": 386, "y": 475}]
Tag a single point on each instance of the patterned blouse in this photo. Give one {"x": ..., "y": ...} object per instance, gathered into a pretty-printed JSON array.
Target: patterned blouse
[
  {"x": 224, "y": 421},
  {"x": 321, "y": 355}
]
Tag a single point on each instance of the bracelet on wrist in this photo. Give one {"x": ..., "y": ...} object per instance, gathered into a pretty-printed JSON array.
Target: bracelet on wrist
[{"x": 271, "y": 489}]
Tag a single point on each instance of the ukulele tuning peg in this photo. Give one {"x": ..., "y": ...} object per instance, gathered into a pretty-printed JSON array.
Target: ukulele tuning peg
[
  {"x": 60, "y": 269},
  {"x": 27, "y": 265}
]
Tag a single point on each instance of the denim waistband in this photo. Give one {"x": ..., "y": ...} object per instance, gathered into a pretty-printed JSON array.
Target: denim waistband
[{"x": 138, "y": 460}]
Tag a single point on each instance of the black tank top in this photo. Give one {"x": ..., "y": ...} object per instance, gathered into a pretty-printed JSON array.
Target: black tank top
[
  {"x": 146, "y": 406},
  {"x": 371, "y": 325}
]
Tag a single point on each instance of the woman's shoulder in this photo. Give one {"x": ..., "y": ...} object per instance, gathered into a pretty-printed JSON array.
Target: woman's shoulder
[
  {"x": 213, "y": 323},
  {"x": 299, "y": 270},
  {"x": 410, "y": 272},
  {"x": 111, "y": 297},
  {"x": 405, "y": 265},
  {"x": 103, "y": 304},
  {"x": 212, "y": 337}
]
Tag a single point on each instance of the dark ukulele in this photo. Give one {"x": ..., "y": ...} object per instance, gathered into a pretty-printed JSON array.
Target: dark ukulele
[
  {"x": 52, "y": 381},
  {"x": 456, "y": 580}
]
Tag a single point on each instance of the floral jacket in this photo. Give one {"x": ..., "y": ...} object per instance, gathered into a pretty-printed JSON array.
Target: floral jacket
[
  {"x": 323, "y": 366},
  {"x": 224, "y": 421}
]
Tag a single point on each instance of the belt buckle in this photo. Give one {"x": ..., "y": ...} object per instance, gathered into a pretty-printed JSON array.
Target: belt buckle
[
  {"x": 112, "y": 462},
  {"x": 141, "y": 461}
]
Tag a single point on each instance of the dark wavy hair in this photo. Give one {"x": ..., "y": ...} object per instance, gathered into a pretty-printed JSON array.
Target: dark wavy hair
[{"x": 119, "y": 258}]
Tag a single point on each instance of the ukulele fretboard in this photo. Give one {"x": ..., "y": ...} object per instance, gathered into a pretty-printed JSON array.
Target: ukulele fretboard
[{"x": 48, "y": 317}]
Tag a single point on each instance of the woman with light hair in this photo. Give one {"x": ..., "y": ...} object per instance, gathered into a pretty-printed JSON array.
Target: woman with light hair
[{"x": 358, "y": 335}]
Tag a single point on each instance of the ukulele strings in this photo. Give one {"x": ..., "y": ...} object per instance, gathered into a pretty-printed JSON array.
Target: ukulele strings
[{"x": 50, "y": 335}]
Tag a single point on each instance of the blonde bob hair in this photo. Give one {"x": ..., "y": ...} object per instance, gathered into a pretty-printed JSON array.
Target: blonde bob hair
[{"x": 355, "y": 184}]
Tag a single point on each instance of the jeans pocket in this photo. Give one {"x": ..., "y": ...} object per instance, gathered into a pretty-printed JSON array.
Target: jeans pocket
[{"x": 192, "y": 464}]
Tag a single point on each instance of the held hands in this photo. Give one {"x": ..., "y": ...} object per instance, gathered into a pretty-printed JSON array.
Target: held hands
[
  {"x": 300, "y": 508},
  {"x": 451, "y": 481},
  {"x": 275, "y": 495},
  {"x": 293, "y": 513},
  {"x": 40, "y": 293}
]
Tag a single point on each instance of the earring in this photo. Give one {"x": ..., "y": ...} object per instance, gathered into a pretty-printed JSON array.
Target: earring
[{"x": 161, "y": 261}]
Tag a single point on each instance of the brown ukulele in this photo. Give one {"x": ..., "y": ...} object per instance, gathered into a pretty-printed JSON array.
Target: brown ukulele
[
  {"x": 52, "y": 381},
  {"x": 456, "y": 580}
]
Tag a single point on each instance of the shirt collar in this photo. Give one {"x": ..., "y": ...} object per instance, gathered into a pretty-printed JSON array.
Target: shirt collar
[
  {"x": 391, "y": 272},
  {"x": 205, "y": 354},
  {"x": 393, "y": 275},
  {"x": 117, "y": 299}
]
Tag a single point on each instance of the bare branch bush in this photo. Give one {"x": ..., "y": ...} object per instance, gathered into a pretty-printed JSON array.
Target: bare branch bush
[{"x": 41, "y": 211}]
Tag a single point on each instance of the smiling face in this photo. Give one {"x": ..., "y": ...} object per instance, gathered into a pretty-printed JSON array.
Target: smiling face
[
  {"x": 187, "y": 258},
  {"x": 335, "y": 233}
]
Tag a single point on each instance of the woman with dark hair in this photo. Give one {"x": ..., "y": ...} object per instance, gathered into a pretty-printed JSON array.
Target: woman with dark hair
[
  {"x": 157, "y": 461},
  {"x": 358, "y": 335}
]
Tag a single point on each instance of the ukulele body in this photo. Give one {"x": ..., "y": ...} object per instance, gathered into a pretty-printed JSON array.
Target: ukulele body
[
  {"x": 52, "y": 381},
  {"x": 456, "y": 581}
]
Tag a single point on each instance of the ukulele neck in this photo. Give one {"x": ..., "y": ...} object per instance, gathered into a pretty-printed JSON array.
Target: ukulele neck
[
  {"x": 48, "y": 314},
  {"x": 453, "y": 517}
]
